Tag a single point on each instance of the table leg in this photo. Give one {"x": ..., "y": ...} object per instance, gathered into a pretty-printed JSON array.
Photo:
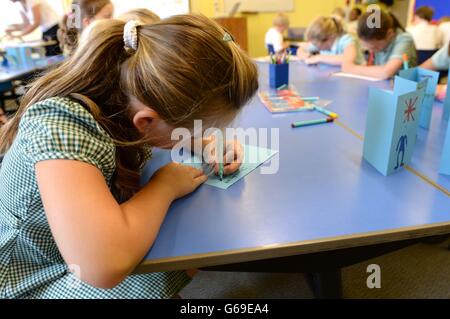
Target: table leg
[{"x": 326, "y": 285}]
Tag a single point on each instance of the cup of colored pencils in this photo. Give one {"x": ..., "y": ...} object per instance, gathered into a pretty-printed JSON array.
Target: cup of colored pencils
[{"x": 279, "y": 70}]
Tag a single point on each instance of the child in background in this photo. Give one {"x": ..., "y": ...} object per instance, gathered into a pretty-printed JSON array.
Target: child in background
[
  {"x": 89, "y": 11},
  {"x": 144, "y": 16},
  {"x": 275, "y": 35},
  {"x": 326, "y": 35},
  {"x": 439, "y": 62},
  {"x": 387, "y": 43},
  {"x": 70, "y": 189},
  {"x": 37, "y": 14},
  {"x": 352, "y": 26},
  {"x": 426, "y": 36}
]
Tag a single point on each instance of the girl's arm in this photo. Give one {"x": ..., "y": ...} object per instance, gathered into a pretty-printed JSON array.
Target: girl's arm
[
  {"x": 30, "y": 27},
  {"x": 348, "y": 57},
  {"x": 303, "y": 51},
  {"x": 382, "y": 72},
  {"x": 105, "y": 240},
  {"x": 428, "y": 64}
]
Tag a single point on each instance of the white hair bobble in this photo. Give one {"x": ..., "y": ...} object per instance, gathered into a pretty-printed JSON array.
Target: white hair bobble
[{"x": 130, "y": 35}]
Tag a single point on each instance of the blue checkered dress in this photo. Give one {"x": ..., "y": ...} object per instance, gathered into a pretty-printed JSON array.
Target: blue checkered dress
[{"x": 31, "y": 265}]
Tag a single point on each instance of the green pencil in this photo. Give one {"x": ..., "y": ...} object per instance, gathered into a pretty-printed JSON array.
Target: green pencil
[{"x": 313, "y": 122}]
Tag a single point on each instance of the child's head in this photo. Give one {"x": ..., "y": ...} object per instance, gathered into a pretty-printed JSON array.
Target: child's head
[
  {"x": 281, "y": 22},
  {"x": 84, "y": 13},
  {"x": 339, "y": 13},
  {"x": 424, "y": 13},
  {"x": 164, "y": 76},
  {"x": 324, "y": 31},
  {"x": 354, "y": 15},
  {"x": 144, "y": 16},
  {"x": 376, "y": 36}
]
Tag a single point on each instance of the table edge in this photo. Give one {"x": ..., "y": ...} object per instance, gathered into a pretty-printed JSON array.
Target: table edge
[{"x": 291, "y": 249}]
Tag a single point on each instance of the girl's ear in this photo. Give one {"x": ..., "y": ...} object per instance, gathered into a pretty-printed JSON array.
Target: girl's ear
[{"x": 144, "y": 118}]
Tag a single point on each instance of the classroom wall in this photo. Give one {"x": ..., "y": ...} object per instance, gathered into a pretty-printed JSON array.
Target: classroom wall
[{"x": 305, "y": 11}]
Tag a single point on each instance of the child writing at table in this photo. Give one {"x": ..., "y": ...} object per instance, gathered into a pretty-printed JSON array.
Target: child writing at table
[
  {"x": 70, "y": 189},
  {"x": 440, "y": 61},
  {"x": 87, "y": 11},
  {"x": 388, "y": 43},
  {"x": 334, "y": 46}
]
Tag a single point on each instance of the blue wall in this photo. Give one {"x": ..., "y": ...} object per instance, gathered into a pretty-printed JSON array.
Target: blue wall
[{"x": 441, "y": 7}]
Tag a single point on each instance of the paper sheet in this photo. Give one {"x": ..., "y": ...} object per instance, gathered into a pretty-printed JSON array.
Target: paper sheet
[
  {"x": 354, "y": 76},
  {"x": 253, "y": 158}
]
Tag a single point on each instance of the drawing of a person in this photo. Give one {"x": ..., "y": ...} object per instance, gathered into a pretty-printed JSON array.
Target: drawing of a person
[{"x": 401, "y": 149}]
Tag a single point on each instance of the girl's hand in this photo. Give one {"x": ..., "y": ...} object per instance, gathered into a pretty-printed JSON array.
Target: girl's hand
[
  {"x": 315, "y": 59},
  {"x": 179, "y": 180},
  {"x": 232, "y": 159},
  {"x": 302, "y": 54}
]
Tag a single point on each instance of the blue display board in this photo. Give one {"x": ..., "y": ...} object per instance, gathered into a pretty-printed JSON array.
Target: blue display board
[{"x": 441, "y": 7}]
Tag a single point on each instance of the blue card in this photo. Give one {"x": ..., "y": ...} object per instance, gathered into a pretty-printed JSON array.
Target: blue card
[
  {"x": 447, "y": 104},
  {"x": 445, "y": 163},
  {"x": 418, "y": 75},
  {"x": 254, "y": 157},
  {"x": 392, "y": 123}
]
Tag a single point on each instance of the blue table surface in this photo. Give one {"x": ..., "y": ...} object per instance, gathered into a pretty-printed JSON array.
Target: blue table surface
[
  {"x": 10, "y": 73},
  {"x": 324, "y": 189}
]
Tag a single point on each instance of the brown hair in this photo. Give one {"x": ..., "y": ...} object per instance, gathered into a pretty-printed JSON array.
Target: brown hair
[
  {"x": 324, "y": 28},
  {"x": 182, "y": 68},
  {"x": 68, "y": 34},
  {"x": 144, "y": 16},
  {"x": 425, "y": 13},
  {"x": 387, "y": 22}
]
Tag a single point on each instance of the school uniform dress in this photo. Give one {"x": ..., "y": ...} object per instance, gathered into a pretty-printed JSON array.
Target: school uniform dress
[
  {"x": 31, "y": 265},
  {"x": 403, "y": 43},
  {"x": 339, "y": 46},
  {"x": 441, "y": 59}
]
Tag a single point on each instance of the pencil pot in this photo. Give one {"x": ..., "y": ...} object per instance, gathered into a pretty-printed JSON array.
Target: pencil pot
[{"x": 278, "y": 75}]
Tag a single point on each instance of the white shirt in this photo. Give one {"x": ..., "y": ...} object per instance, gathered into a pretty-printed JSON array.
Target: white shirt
[
  {"x": 275, "y": 38},
  {"x": 49, "y": 17},
  {"x": 445, "y": 32},
  {"x": 426, "y": 36}
]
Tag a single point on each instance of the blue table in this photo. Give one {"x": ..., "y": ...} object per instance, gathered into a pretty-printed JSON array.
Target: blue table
[
  {"x": 8, "y": 75},
  {"x": 325, "y": 197}
]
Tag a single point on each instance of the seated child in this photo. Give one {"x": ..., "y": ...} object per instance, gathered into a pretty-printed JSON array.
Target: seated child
[
  {"x": 326, "y": 36},
  {"x": 275, "y": 35},
  {"x": 75, "y": 219},
  {"x": 426, "y": 35},
  {"x": 388, "y": 43},
  {"x": 352, "y": 25},
  {"x": 75, "y": 22}
]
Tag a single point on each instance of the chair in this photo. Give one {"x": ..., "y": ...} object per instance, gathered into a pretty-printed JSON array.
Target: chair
[{"x": 271, "y": 49}]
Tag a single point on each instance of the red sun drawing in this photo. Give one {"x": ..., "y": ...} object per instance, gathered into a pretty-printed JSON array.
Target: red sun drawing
[{"x": 410, "y": 109}]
